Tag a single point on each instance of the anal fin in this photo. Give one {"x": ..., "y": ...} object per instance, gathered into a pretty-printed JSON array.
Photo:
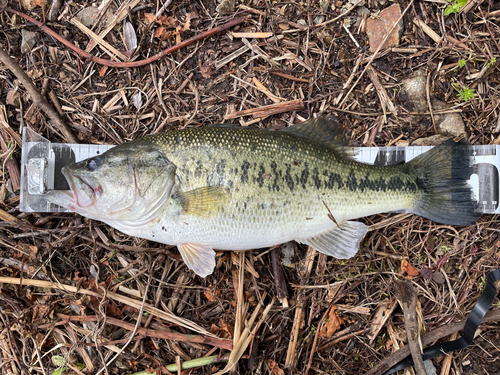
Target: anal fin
[
  {"x": 341, "y": 242},
  {"x": 199, "y": 258}
]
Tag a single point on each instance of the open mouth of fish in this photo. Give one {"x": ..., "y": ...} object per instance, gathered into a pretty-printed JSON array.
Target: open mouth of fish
[{"x": 83, "y": 192}]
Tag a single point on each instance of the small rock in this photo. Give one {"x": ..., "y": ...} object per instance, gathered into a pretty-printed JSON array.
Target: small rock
[
  {"x": 226, "y": 7},
  {"x": 377, "y": 29},
  {"x": 28, "y": 41},
  {"x": 319, "y": 19},
  {"x": 339, "y": 4},
  {"x": 433, "y": 140},
  {"x": 414, "y": 97},
  {"x": 88, "y": 16},
  {"x": 363, "y": 11}
]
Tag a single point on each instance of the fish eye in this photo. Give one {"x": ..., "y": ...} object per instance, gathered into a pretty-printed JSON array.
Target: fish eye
[{"x": 93, "y": 164}]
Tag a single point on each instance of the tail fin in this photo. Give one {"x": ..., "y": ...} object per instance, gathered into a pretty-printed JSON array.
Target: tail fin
[{"x": 442, "y": 174}]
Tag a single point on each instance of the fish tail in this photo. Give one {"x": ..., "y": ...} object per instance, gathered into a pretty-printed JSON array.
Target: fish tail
[{"x": 441, "y": 175}]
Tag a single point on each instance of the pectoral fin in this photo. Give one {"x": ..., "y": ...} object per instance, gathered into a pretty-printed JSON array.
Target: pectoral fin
[
  {"x": 203, "y": 201},
  {"x": 342, "y": 242},
  {"x": 199, "y": 258}
]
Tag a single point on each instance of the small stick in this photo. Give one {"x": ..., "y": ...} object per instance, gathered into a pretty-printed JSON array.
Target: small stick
[
  {"x": 330, "y": 216},
  {"x": 130, "y": 64},
  {"x": 385, "y": 101},
  {"x": 38, "y": 99},
  {"x": 429, "y": 104},
  {"x": 290, "y": 77},
  {"x": 279, "y": 276},
  {"x": 408, "y": 299}
]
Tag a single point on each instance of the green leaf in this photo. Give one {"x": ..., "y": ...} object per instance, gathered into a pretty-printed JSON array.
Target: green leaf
[
  {"x": 461, "y": 3},
  {"x": 451, "y": 9}
]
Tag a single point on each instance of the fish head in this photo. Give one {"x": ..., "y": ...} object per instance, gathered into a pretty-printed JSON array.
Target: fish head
[{"x": 129, "y": 182}]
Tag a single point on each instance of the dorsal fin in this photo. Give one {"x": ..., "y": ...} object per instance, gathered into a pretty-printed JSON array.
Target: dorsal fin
[{"x": 324, "y": 130}]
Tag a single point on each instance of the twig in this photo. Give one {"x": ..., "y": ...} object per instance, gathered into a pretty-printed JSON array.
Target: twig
[
  {"x": 385, "y": 101},
  {"x": 38, "y": 99},
  {"x": 130, "y": 64},
  {"x": 162, "y": 9},
  {"x": 279, "y": 276},
  {"x": 408, "y": 299},
  {"x": 297, "y": 320},
  {"x": 429, "y": 104},
  {"x": 136, "y": 327}
]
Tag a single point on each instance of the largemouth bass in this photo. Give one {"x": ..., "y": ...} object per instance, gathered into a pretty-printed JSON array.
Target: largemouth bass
[{"x": 235, "y": 188}]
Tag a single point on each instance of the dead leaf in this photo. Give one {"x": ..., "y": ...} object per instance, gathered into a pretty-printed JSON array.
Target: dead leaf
[
  {"x": 206, "y": 70},
  {"x": 274, "y": 369},
  {"x": 331, "y": 324},
  {"x": 149, "y": 17},
  {"x": 13, "y": 97},
  {"x": 209, "y": 295},
  {"x": 408, "y": 269},
  {"x": 167, "y": 21},
  {"x": 103, "y": 71},
  {"x": 388, "y": 344},
  {"x": 222, "y": 330},
  {"x": 159, "y": 32}
]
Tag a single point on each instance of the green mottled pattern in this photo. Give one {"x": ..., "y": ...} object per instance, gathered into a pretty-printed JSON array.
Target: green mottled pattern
[{"x": 278, "y": 187}]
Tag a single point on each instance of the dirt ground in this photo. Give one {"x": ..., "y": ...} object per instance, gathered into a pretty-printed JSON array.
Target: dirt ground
[{"x": 73, "y": 289}]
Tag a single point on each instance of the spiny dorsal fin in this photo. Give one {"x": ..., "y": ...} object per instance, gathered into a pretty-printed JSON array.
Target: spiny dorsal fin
[
  {"x": 202, "y": 201},
  {"x": 324, "y": 130}
]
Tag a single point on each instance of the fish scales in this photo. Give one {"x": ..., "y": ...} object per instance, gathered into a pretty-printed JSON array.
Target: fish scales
[
  {"x": 243, "y": 188},
  {"x": 280, "y": 186}
]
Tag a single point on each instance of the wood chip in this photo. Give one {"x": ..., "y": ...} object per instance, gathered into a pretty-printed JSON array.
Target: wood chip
[{"x": 268, "y": 110}]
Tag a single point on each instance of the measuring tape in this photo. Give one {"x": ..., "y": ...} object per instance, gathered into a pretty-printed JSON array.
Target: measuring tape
[{"x": 42, "y": 161}]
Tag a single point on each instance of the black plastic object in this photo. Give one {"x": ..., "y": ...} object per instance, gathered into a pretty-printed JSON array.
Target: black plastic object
[{"x": 476, "y": 316}]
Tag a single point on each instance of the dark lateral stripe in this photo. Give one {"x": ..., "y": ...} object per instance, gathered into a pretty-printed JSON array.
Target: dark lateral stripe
[{"x": 304, "y": 177}]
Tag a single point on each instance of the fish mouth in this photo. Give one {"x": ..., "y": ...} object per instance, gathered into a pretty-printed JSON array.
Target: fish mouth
[{"x": 83, "y": 190}]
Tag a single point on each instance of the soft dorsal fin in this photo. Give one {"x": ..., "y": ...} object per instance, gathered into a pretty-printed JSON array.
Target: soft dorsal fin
[{"x": 324, "y": 130}]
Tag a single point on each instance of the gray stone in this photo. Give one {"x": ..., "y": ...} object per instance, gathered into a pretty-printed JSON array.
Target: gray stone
[{"x": 414, "y": 98}]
